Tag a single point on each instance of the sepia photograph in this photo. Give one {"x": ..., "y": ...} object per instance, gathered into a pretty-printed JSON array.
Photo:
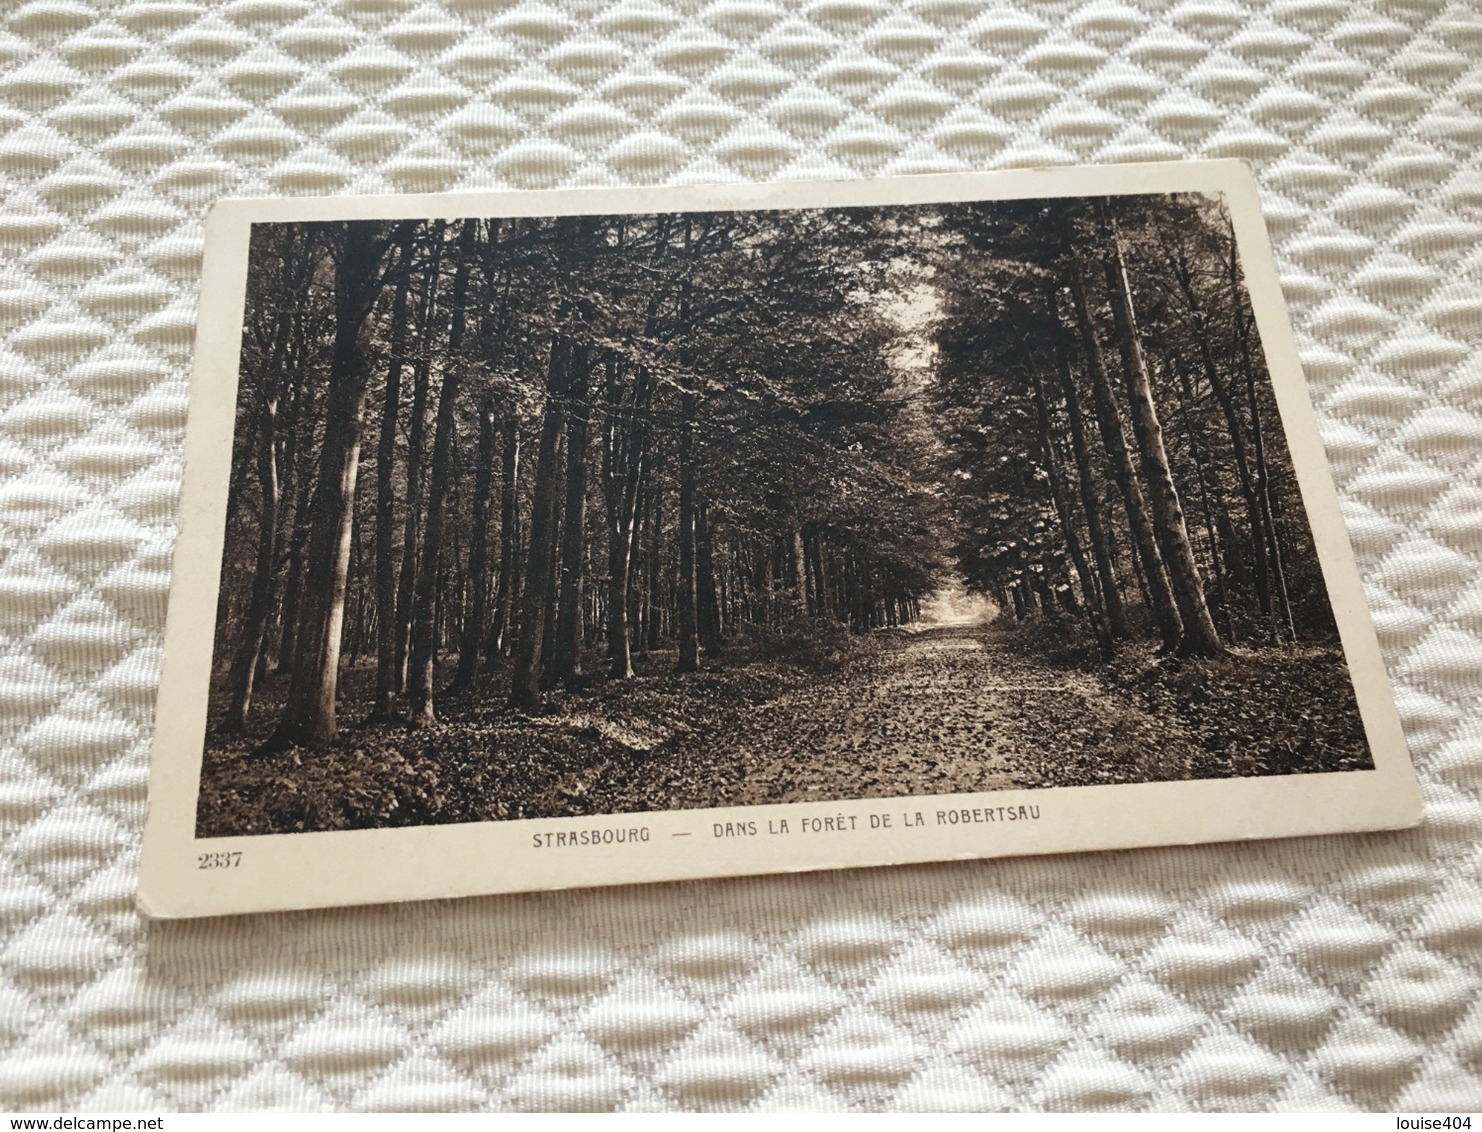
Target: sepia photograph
[
  {"x": 555, "y": 516},
  {"x": 535, "y": 540}
]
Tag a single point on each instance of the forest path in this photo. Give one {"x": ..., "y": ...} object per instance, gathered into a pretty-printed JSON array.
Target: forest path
[{"x": 943, "y": 710}]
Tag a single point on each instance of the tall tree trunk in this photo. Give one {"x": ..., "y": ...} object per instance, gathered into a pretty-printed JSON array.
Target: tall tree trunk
[
  {"x": 1216, "y": 522},
  {"x": 472, "y": 637},
  {"x": 297, "y": 469},
  {"x": 799, "y": 569},
  {"x": 817, "y": 591},
  {"x": 309, "y": 715},
  {"x": 525, "y": 680},
  {"x": 497, "y": 642},
  {"x": 1283, "y": 607},
  {"x": 1265, "y": 504},
  {"x": 357, "y": 587},
  {"x": 411, "y": 551},
  {"x": 386, "y": 627},
  {"x": 654, "y": 629},
  {"x": 686, "y": 618},
  {"x": 553, "y": 577},
  {"x": 280, "y": 383},
  {"x": 249, "y": 647},
  {"x": 567, "y": 661},
  {"x": 1088, "y": 487},
  {"x": 1199, "y": 635},
  {"x": 619, "y": 644},
  {"x": 1068, "y": 525},
  {"x": 293, "y": 587},
  {"x": 624, "y": 461},
  {"x": 707, "y": 607},
  {"x": 1259, "y": 535},
  {"x": 1109, "y": 418},
  {"x": 686, "y": 611},
  {"x": 725, "y": 597},
  {"x": 424, "y": 628}
]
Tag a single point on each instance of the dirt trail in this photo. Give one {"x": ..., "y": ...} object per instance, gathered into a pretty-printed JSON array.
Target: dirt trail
[
  {"x": 939, "y": 711},
  {"x": 951, "y": 709}
]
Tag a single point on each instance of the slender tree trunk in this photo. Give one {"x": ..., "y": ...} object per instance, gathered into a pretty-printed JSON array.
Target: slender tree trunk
[
  {"x": 1088, "y": 487},
  {"x": 1283, "y": 608},
  {"x": 686, "y": 612},
  {"x": 641, "y": 566},
  {"x": 553, "y": 575},
  {"x": 472, "y": 636},
  {"x": 424, "y": 628},
  {"x": 619, "y": 647},
  {"x": 355, "y": 586},
  {"x": 687, "y": 591},
  {"x": 1219, "y": 543},
  {"x": 624, "y": 462},
  {"x": 810, "y": 572},
  {"x": 525, "y": 680},
  {"x": 293, "y": 588},
  {"x": 278, "y": 384},
  {"x": 309, "y": 715},
  {"x": 411, "y": 551},
  {"x": 1109, "y": 418},
  {"x": 244, "y": 663},
  {"x": 818, "y": 589},
  {"x": 654, "y": 631},
  {"x": 567, "y": 660},
  {"x": 386, "y": 667},
  {"x": 1092, "y": 606},
  {"x": 1199, "y": 635},
  {"x": 725, "y": 610},
  {"x": 291, "y": 407},
  {"x": 798, "y": 568},
  {"x": 298, "y": 466},
  {"x": 1259, "y": 536},
  {"x": 497, "y": 642},
  {"x": 706, "y": 604}
]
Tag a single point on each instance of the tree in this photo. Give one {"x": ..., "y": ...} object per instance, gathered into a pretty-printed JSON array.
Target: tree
[
  {"x": 1199, "y": 637},
  {"x": 388, "y": 676},
  {"x": 1109, "y": 417},
  {"x": 424, "y": 639},
  {"x": 710, "y": 434},
  {"x": 295, "y": 262},
  {"x": 359, "y": 250},
  {"x": 525, "y": 680}
]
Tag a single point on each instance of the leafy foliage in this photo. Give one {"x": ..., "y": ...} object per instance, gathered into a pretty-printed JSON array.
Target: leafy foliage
[{"x": 628, "y": 472}]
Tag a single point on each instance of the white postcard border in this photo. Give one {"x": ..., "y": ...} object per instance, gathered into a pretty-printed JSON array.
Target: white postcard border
[{"x": 304, "y": 870}]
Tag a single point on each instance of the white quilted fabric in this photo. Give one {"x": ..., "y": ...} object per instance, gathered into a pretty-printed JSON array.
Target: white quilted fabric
[{"x": 1333, "y": 973}]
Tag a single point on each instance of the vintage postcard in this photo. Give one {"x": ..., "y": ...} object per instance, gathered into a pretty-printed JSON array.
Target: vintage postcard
[{"x": 538, "y": 540}]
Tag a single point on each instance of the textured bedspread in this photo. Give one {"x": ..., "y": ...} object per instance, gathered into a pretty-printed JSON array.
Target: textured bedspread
[{"x": 1331, "y": 973}]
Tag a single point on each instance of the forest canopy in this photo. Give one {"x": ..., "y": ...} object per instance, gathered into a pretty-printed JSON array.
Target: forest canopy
[{"x": 497, "y": 458}]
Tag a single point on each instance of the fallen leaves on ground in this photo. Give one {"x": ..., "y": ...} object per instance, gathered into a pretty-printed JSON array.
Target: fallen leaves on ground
[{"x": 943, "y": 711}]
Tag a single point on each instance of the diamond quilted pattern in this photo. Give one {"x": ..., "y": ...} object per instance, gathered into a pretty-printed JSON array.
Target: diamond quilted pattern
[
  {"x": 718, "y": 1068},
  {"x": 1284, "y": 1010},
  {"x": 783, "y": 1007},
  {"x": 1331, "y": 974},
  {"x": 1146, "y": 1024},
  {"x": 1009, "y": 1040},
  {"x": 570, "y": 1074},
  {"x": 1092, "y": 1080},
  {"x": 493, "y": 1034},
  {"x": 640, "y": 1021}
]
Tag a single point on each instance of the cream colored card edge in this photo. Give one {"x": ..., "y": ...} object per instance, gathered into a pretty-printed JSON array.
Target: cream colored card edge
[{"x": 290, "y": 871}]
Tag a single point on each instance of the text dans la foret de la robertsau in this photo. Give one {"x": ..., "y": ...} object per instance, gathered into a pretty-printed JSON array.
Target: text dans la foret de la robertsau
[{"x": 795, "y": 825}]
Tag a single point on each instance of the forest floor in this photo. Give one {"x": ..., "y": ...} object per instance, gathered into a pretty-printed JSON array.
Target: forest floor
[{"x": 938, "y": 711}]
